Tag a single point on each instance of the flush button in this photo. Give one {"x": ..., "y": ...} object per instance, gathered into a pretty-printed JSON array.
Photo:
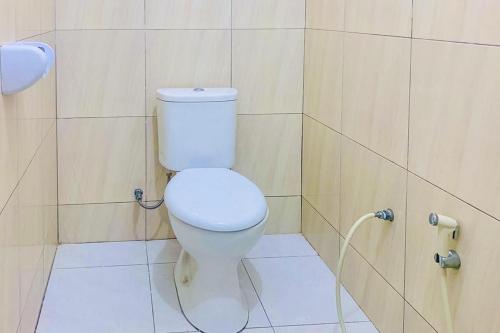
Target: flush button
[{"x": 199, "y": 89}]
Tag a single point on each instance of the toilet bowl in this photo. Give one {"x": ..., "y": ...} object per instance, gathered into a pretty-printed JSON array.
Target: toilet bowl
[{"x": 217, "y": 216}]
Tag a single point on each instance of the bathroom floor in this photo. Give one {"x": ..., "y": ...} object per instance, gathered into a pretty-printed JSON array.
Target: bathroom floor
[{"x": 128, "y": 287}]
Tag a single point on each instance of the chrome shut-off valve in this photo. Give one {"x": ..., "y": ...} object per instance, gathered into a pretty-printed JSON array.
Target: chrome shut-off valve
[{"x": 447, "y": 231}]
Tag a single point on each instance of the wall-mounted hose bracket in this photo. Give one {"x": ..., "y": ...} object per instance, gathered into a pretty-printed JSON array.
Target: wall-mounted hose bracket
[{"x": 451, "y": 261}]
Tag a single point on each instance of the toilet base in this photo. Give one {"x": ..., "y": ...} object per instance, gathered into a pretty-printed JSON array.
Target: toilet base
[
  {"x": 206, "y": 275},
  {"x": 211, "y": 299}
]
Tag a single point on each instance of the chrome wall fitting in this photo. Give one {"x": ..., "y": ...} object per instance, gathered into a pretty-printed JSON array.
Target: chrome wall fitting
[
  {"x": 451, "y": 261},
  {"x": 139, "y": 195}
]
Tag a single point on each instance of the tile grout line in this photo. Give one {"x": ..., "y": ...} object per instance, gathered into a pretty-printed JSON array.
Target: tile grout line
[
  {"x": 149, "y": 263},
  {"x": 150, "y": 288},
  {"x": 351, "y": 246},
  {"x": 407, "y": 167},
  {"x": 409, "y": 171},
  {"x": 316, "y": 210},
  {"x": 257, "y": 294},
  {"x": 421, "y": 316},
  {"x": 407, "y": 37},
  {"x": 303, "y": 112},
  {"x": 146, "y": 120},
  {"x": 21, "y": 176}
]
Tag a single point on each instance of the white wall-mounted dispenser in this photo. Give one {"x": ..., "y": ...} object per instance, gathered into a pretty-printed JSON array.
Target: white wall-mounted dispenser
[{"x": 22, "y": 64}]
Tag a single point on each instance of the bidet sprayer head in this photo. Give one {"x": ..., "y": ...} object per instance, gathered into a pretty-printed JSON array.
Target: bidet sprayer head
[
  {"x": 386, "y": 215},
  {"x": 442, "y": 221}
]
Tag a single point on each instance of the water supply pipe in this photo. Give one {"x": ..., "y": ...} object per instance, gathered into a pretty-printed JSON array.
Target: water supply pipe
[{"x": 385, "y": 215}]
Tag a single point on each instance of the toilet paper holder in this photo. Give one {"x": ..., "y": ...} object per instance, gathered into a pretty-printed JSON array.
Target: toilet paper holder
[{"x": 22, "y": 64}]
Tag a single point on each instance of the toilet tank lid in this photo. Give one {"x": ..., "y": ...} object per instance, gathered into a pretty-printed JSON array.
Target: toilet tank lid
[{"x": 196, "y": 95}]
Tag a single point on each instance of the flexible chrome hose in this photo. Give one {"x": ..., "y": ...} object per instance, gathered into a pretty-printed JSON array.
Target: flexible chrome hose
[{"x": 139, "y": 193}]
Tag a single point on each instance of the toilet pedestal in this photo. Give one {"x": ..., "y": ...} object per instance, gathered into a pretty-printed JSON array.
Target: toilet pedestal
[
  {"x": 210, "y": 294},
  {"x": 206, "y": 276}
]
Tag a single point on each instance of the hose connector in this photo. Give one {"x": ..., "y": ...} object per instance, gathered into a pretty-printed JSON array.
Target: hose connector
[{"x": 386, "y": 215}]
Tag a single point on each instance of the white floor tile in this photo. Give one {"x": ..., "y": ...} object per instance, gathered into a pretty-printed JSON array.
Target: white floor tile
[
  {"x": 100, "y": 254},
  {"x": 163, "y": 251},
  {"x": 167, "y": 311},
  {"x": 299, "y": 291},
  {"x": 333, "y": 328},
  {"x": 291, "y": 245},
  {"x": 98, "y": 300},
  {"x": 296, "y": 288}
]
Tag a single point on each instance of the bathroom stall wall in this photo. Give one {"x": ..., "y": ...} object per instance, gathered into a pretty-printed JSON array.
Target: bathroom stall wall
[
  {"x": 114, "y": 54},
  {"x": 402, "y": 111},
  {"x": 28, "y": 175}
]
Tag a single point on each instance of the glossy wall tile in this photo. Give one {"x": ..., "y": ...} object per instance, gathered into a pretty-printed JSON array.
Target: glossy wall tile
[
  {"x": 415, "y": 98},
  {"x": 107, "y": 129},
  {"x": 28, "y": 174}
]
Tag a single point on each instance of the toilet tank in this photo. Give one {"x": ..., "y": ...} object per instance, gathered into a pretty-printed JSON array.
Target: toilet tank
[{"x": 196, "y": 127}]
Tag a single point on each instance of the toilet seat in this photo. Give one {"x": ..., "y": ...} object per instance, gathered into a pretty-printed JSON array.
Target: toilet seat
[{"x": 215, "y": 199}]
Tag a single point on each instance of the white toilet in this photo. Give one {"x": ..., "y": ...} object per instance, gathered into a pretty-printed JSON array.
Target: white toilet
[{"x": 217, "y": 214}]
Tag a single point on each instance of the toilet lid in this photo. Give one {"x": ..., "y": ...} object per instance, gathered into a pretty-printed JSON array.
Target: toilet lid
[{"x": 215, "y": 200}]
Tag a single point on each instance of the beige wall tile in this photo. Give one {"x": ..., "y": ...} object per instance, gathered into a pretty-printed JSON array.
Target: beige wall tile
[
  {"x": 454, "y": 120},
  {"x": 35, "y": 111},
  {"x": 95, "y": 166},
  {"x": 101, "y": 222},
  {"x": 376, "y": 93},
  {"x": 269, "y": 152},
  {"x": 325, "y": 14},
  {"x": 31, "y": 309},
  {"x": 7, "y": 21},
  {"x": 193, "y": 14},
  {"x": 385, "y": 17},
  {"x": 158, "y": 224},
  {"x": 100, "y": 73},
  {"x": 27, "y": 18},
  {"x": 370, "y": 183},
  {"x": 9, "y": 266},
  {"x": 98, "y": 14},
  {"x": 9, "y": 147},
  {"x": 31, "y": 231},
  {"x": 464, "y": 20},
  {"x": 51, "y": 239},
  {"x": 29, "y": 133},
  {"x": 260, "y": 14},
  {"x": 284, "y": 215},
  {"x": 48, "y": 167},
  {"x": 414, "y": 323},
  {"x": 28, "y": 161},
  {"x": 47, "y": 15},
  {"x": 472, "y": 288},
  {"x": 323, "y": 76},
  {"x": 268, "y": 70},
  {"x": 322, "y": 236},
  {"x": 186, "y": 58},
  {"x": 321, "y": 169},
  {"x": 381, "y": 303},
  {"x": 29, "y": 125}
]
